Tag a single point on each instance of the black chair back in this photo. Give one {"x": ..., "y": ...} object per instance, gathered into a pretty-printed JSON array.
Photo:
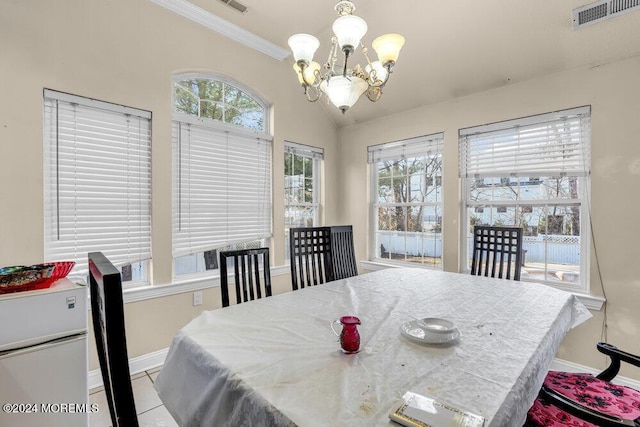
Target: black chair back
[
  {"x": 497, "y": 252},
  {"x": 107, "y": 311},
  {"x": 321, "y": 254},
  {"x": 246, "y": 274},
  {"x": 310, "y": 260},
  {"x": 342, "y": 253}
]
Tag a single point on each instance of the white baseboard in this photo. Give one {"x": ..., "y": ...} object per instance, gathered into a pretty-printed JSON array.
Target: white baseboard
[
  {"x": 565, "y": 366},
  {"x": 136, "y": 365}
]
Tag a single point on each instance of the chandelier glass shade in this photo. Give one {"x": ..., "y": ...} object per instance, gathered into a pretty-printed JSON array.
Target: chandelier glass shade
[
  {"x": 344, "y": 85},
  {"x": 343, "y": 91},
  {"x": 349, "y": 30}
]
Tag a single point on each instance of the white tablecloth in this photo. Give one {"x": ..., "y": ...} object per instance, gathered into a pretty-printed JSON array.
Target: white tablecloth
[{"x": 275, "y": 361}]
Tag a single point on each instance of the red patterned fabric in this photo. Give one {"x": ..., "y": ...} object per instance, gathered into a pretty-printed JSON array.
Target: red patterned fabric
[
  {"x": 587, "y": 390},
  {"x": 547, "y": 415}
]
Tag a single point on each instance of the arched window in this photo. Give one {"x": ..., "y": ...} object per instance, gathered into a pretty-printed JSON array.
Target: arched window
[
  {"x": 217, "y": 98},
  {"x": 221, "y": 171}
]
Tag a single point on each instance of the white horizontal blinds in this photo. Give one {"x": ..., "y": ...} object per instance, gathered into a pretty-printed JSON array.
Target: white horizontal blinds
[
  {"x": 222, "y": 188},
  {"x": 303, "y": 150},
  {"x": 413, "y": 147},
  {"x": 97, "y": 181},
  {"x": 544, "y": 145}
]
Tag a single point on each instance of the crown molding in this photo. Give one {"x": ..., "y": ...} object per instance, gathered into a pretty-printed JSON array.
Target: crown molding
[{"x": 223, "y": 27}]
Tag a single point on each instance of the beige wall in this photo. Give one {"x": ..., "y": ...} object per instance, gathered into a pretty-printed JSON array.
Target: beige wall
[
  {"x": 125, "y": 52},
  {"x": 614, "y": 94}
]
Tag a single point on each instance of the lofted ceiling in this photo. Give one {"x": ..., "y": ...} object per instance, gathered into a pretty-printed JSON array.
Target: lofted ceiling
[{"x": 453, "y": 48}]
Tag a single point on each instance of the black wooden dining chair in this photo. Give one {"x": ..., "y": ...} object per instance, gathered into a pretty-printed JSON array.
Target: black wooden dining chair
[
  {"x": 579, "y": 398},
  {"x": 497, "y": 252},
  {"x": 250, "y": 284},
  {"x": 310, "y": 256},
  {"x": 107, "y": 312},
  {"x": 343, "y": 257}
]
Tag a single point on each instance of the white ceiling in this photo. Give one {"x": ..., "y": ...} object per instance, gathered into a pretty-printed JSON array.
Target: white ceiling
[{"x": 453, "y": 47}]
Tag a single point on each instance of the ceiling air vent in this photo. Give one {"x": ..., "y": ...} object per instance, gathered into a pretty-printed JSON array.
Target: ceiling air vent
[
  {"x": 601, "y": 10},
  {"x": 235, "y": 5}
]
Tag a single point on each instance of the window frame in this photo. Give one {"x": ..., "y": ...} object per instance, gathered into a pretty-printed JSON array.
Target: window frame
[
  {"x": 219, "y": 127},
  {"x": 582, "y": 201},
  {"x": 93, "y": 114},
  {"x": 436, "y": 139},
  {"x": 266, "y": 108},
  {"x": 317, "y": 156}
]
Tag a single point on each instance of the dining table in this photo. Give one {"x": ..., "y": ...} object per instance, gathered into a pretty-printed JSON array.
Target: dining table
[{"x": 275, "y": 361}]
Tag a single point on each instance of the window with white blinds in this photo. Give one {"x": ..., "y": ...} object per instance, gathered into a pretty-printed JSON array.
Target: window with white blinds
[
  {"x": 533, "y": 173},
  {"x": 97, "y": 172},
  {"x": 430, "y": 145},
  {"x": 547, "y": 144},
  {"x": 221, "y": 188},
  {"x": 301, "y": 187},
  {"x": 302, "y": 150},
  {"x": 406, "y": 180}
]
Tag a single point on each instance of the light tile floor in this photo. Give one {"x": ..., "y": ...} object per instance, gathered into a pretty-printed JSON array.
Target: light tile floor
[{"x": 151, "y": 411}]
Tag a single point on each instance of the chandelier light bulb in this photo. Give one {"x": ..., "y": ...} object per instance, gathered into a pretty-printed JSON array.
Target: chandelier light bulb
[
  {"x": 388, "y": 48},
  {"x": 344, "y": 91},
  {"x": 303, "y": 46},
  {"x": 349, "y": 30},
  {"x": 309, "y": 77}
]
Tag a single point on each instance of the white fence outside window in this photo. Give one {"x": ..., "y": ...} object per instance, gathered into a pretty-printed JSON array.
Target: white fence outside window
[{"x": 557, "y": 248}]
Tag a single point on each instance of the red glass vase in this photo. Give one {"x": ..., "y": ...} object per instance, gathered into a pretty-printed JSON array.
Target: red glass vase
[{"x": 349, "y": 337}]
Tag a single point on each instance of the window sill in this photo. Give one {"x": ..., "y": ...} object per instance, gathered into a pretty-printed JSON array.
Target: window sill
[
  {"x": 381, "y": 265},
  {"x": 179, "y": 286},
  {"x": 592, "y": 302}
]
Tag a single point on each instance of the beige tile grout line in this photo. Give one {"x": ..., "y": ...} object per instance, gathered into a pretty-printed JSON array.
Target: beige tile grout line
[{"x": 138, "y": 376}]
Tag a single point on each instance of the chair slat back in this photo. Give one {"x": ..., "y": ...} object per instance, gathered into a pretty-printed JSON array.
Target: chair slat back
[
  {"x": 107, "y": 312},
  {"x": 497, "y": 252},
  {"x": 310, "y": 250},
  {"x": 249, "y": 282},
  {"x": 342, "y": 252}
]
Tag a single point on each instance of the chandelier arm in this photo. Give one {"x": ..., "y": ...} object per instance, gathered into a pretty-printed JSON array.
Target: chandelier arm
[
  {"x": 374, "y": 93},
  {"x": 372, "y": 81},
  {"x": 316, "y": 75},
  {"x": 312, "y": 97},
  {"x": 364, "y": 52},
  {"x": 333, "y": 53},
  {"x": 331, "y": 58},
  {"x": 386, "y": 79}
]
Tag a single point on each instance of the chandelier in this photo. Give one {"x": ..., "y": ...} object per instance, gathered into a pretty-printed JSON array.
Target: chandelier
[{"x": 344, "y": 85}]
